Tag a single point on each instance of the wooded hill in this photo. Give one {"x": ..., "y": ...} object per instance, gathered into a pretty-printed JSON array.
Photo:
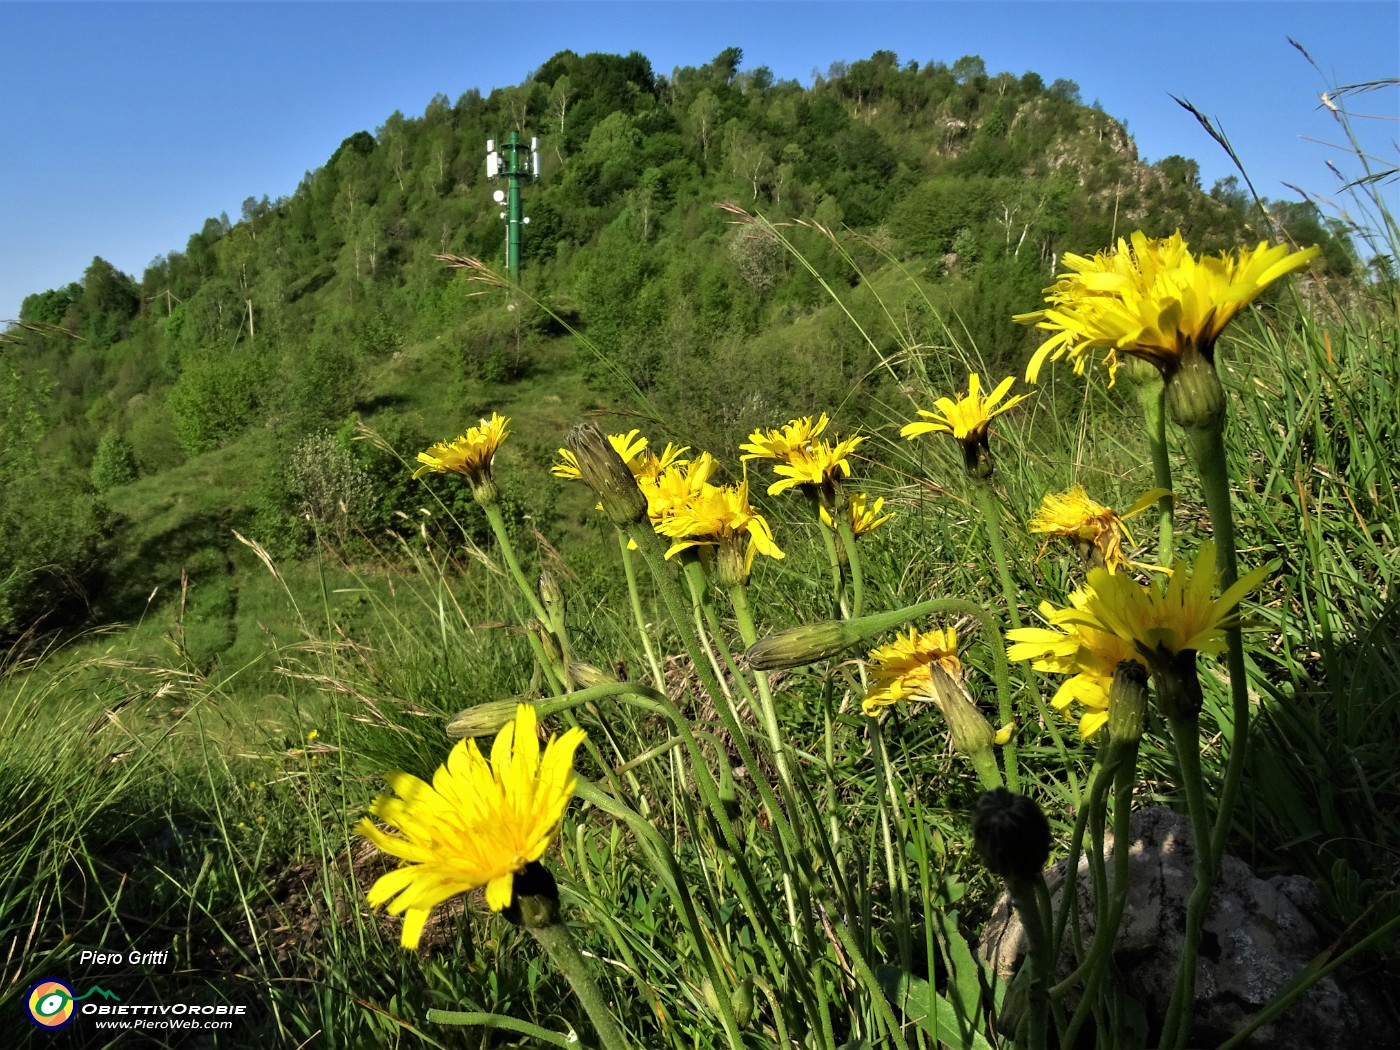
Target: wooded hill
[{"x": 275, "y": 332}]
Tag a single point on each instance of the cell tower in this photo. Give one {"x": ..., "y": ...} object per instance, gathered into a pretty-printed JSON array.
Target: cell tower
[{"x": 515, "y": 162}]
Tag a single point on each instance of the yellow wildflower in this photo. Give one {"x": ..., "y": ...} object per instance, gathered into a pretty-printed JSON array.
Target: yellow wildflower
[
  {"x": 1100, "y": 529},
  {"x": 803, "y": 458},
  {"x": 864, "y": 515},
  {"x": 901, "y": 669},
  {"x": 967, "y": 420},
  {"x": 477, "y": 823},
  {"x": 720, "y": 516},
  {"x": 1152, "y": 299},
  {"x": 469, "y": 455}
]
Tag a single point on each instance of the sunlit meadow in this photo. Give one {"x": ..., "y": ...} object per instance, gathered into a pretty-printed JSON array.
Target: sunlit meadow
[{"x": 755, "y": 769}]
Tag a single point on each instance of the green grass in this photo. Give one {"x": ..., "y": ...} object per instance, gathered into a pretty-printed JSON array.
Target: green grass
[{"x": 193, "y": 781}]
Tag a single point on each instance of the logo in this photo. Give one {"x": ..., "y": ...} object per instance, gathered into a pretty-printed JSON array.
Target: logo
[{"x": 50, "y": 1002}]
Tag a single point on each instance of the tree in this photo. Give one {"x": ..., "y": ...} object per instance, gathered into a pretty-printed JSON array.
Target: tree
[
  {"x": 704, "y": 118},
  {"x": 969, "y": 69}
]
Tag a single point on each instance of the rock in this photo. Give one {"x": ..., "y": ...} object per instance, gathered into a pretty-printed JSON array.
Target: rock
[{"x": 1255, "y": 939}]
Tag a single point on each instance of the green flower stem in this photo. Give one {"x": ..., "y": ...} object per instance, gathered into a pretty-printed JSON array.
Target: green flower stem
[
  {"x": 990, "y": 507},
  {"x": 833, "y": 561},
  {"x": 557, "y": 943},
  {"x": 649, "y": 544},
  {"x": 800, "y": 804},
  {"x": 1099, "y": 784},
  {"x": 696, "y": 583},
  {"x": 1208, "y": 450},
  {"x": 634, "y": 596},
  {"x": 1186, "y": 738},
  {"x": 1122, "y": 762},
  {"x": 474, "y": 1019},
  {"x": 1152, "y": 395},
  {"x": 896, "y": 875},
  {"x": 984, "y": 764},
  {"x": 862, "y": 972},
  {"x": 743, "y": 613},
  {"x": 848, "y": 540},
  {"x": 498, "y": 526},
  {"x": 1032, "y": 900}
]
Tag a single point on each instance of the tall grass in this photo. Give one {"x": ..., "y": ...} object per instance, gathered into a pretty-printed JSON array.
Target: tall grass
[{"x": 731, "y": 882}]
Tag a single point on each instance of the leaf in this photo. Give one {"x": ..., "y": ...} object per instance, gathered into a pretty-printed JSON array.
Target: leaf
[{"x": 929, "y": 1010}]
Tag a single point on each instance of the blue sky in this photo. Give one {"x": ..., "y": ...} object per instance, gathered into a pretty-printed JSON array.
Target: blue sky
[{"x": 125, "y": 125}]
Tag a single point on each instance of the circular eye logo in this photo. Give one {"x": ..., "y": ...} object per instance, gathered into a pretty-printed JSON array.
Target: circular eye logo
[{"x": 50, "y": 1004}]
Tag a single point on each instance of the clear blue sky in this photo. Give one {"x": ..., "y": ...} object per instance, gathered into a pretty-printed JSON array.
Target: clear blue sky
[{"x": 125, "y": 125}]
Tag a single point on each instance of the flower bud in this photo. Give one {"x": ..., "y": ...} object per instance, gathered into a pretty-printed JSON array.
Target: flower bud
[
  {"x": 586, "y": 675},
  {"x": 486, "y": 719},
  {"x": 606, "y": 474},
  {"x": 534, "y": 899},
  {"x": 801, "y": 645},
  {"x": 1127, "y": 702},
  {"x": 1011, "y": 834},
  {"x": 1194, "y": 394},
  {"x": 551, "y": 594}
]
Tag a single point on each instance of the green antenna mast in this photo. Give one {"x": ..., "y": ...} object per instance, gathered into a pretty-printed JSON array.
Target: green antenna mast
[{"x": 515, "y": 162}]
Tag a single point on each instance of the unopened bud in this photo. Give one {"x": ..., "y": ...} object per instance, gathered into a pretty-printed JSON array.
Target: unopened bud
[
  {"x": 1011, "y": 834},
  {"x": 485, "y": 719},
  {"x": 1194, "y": 394},
  {"x": 586, "y": 675},
  {"x": 551, "y": 594},
  {"x": 534, "y": 898},
  {"x": 606, "y": 474},
  {"x": 1127, "y": 702},
  {"x": 801, "y": 645}
]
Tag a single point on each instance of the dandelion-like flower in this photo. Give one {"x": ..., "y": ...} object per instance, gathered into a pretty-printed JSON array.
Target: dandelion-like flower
[
  {"x": 1151, "y": 298},
  {"x": 796, "y": 435},
  {"x": 967, "y": 419},
  {"x": 902, "y": 669},
  {"x": 863, "y": 515},
  {"x": 1099, "y": 530},
  {"x": 720, "y": 516},
  {"x": 477, "y": 824},
  {"x": 1089, "y": 656},
  {"x": 1114, "y": 617},
  {"x": 469, "y": 455},
  {"x": 803, "y": 457}
]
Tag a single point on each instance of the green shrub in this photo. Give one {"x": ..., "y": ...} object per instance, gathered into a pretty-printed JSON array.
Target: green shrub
[{"x": 115, "y": 462}]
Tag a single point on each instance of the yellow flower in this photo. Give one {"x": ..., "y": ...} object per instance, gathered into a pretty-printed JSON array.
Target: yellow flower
[
  {"x": 968, "y": 417},
  {"x": 1117, "y": 618},
  {"x": 901, "y": 669},
  {"x": 476, "y": 824},
  {"x": 312, "y": 735},
  {"x": 469, "y": 455},
  {"x": 864, "y": 515},
  {"x": 719, "y": 515},
  {"x": 676, "y": 486},
  {"x": 815, "y": 465},
  {"x": 803, "y": 458},
  {"x": 1089, "y": 656},
  {"x": 1074, "y": 515},
  {"x": 796, "y": 435},
  {"x": 631, "y": 446},
  {"x": 1152, "y": 299}
]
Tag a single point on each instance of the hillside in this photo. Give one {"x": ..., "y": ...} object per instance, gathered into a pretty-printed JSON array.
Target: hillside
[{"x": 251, "y": 354}]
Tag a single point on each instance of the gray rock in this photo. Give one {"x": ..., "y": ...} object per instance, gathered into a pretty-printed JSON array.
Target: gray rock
[{"x": 1255, "y": 939}]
